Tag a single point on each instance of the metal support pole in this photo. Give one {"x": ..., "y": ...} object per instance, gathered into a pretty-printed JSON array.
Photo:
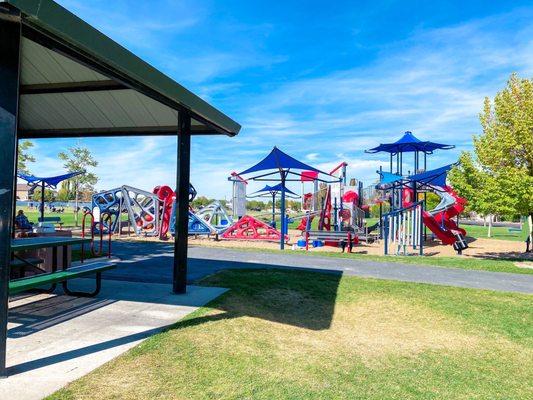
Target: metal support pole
[
  {"x": 179, "y": 283},
  {"x": 335, "y": 227},
  {"x": 282, "y": 207},
  {"x": 10, "y": 34},
  {"x": 425, "y": 195},
  {"x": 42, "y": 202},
  {"x": 273, "y": 210}
]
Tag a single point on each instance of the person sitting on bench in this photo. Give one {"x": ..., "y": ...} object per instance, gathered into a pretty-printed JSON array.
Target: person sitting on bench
[{"x": 22, "y": 222}]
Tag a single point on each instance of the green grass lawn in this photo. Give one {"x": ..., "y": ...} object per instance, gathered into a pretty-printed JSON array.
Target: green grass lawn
[
  {"x": 497, "y": 232},
  {"x": 67, "y": 217},
  {"x": 302, "y": 335}
]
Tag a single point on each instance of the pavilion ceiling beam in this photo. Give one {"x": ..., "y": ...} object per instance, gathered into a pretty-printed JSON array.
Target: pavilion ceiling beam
[
  {"x": 109, "y": 132},
  {"x": 71, "y": 87}
]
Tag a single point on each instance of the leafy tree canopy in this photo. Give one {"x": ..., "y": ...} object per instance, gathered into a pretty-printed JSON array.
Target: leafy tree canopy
[
  {"x": 24, "y": 156},
  {"x": 498, "y": 177}
]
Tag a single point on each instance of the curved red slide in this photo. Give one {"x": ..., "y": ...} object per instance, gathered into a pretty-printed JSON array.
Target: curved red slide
[
  {"x": 445, "y": 235},
  {"x": 441, "y": 224},
  {"x": 451, "y": 212}
]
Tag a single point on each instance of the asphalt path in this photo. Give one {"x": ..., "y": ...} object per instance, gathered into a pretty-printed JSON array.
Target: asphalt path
[{"x": 152, "y": 262}]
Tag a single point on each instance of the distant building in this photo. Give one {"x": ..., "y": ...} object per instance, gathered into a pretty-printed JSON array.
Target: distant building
[{"x": 23, "y": 191}]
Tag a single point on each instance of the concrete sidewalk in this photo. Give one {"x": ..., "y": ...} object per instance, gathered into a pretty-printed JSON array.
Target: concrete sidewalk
[{"x": 53, "y": 340}]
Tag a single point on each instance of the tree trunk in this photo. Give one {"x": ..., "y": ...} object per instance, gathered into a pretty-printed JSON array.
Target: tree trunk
[
  {"x": 489, "y": 234},
  {"x": 530, "y": 232}
]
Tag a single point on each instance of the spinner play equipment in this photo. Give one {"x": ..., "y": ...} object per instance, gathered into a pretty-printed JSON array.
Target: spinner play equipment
[
  {"x": 143, "y": 210},
  {"x": 108, "y": 203},
  {"x": 216, "y": 216}
]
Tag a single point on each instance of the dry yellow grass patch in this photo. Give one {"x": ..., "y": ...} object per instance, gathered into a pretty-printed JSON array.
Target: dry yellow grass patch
[{"x": 369, "y": 328}]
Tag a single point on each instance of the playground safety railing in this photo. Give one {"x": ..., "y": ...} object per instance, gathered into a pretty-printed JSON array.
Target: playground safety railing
[
  {"x": 101, "y": 230},
  {"x": 403, "y": 228}
]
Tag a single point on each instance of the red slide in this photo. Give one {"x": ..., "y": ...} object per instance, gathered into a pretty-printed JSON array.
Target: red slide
[
  {"x": 446, "y": 236},
  {"x": 447, "y": 216},
  {"x": 442, "y": 224}
]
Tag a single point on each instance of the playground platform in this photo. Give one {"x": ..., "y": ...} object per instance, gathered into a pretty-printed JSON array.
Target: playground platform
[{"x": 55, "y": 339}]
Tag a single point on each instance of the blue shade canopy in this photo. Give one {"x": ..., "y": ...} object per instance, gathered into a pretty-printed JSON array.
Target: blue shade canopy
[
  {"x": 52, "y": 181},
  {"x": 410, "y": 143},
  {"x": 387, "y": 178},
  {"x": 275, "y": 189},
  {"x": 280, "y": 161},
  {"x": 435, "y": 177}
]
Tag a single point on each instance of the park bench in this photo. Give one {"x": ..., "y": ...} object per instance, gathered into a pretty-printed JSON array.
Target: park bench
[
  {"x": 63, "y": 276},
  {"x": 20, "y": 265},
  {"x": 53, "y": 220},
  {"x": 332, "y": 238},
  {"x": 514, "y": 230}
]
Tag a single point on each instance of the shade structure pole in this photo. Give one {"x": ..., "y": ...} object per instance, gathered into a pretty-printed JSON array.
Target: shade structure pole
[
  {"x": 42, "y": 201},
  {"x": 282, "y": 206},
  {"x": 179, "y": 282},
  {"x": 425, "y": 194},
  {"x": 273, "y": 209},
  {"x": 10, "y": 34}
]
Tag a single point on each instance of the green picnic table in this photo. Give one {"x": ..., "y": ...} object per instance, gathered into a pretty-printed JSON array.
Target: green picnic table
[
  {"x": 42, "y": 242},
  {"x": 62, "y": 276}
]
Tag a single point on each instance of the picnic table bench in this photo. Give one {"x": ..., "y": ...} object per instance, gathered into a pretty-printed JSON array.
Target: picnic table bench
[
  {"x": 332, "y": 238},
  {"x": 53, "y": 220},
  {"x": 62, "y": 276}
]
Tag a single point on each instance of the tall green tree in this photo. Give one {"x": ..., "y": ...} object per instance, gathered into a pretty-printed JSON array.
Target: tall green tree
[
  {"x": 79, "y": 158},
  {"x": 49, "y": 195},
  {"x": 24, "y": 156},
  {"x": 498, "y": 177}
]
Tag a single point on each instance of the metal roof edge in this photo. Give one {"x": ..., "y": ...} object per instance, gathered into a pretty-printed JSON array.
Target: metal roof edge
[{"x": 51, "y": 17}]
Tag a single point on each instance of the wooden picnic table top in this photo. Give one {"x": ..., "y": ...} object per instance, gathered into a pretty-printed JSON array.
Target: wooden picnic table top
[{"x": 41, "y": 242}]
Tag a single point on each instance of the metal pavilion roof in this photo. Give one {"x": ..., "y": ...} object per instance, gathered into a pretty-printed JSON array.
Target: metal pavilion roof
[{"x": 75, "y": 81}]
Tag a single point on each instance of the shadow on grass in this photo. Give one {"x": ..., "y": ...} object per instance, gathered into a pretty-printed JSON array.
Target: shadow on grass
[
  {"x": 305, "y": 299},
  {"x": 292, "y": 297},
  {"x": 506, "y": 256}
]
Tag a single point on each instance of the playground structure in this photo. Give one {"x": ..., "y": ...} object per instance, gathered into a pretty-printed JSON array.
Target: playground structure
[
  {"x": 153, "y": 214},
  {"x": 272, "y": 191},
  {"x": 337, "y": 206},
  {"x": 400, "y": 227}
]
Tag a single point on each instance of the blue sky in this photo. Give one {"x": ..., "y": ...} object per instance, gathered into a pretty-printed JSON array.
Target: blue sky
[{"x": 321, "y": 80}]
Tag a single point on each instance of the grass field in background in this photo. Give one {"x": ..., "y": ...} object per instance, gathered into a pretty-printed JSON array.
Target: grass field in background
[
  {"x": 306, "y": 335},
  {"x": 67, "y": 217},
  {"x": 497, "y": 232}
]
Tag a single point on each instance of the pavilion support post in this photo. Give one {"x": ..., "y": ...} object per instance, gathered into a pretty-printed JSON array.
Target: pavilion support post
[
  {"x": 179, "y": 284},
  {"x": 10, "y": 34}
]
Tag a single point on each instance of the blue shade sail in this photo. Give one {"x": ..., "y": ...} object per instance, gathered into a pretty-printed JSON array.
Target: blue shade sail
[
  {"x": 410, "y": 143},
  {"x": 52, "y": 181},
  {"x": 281, "y": 161},
  {"x": 435, "y": 177}
]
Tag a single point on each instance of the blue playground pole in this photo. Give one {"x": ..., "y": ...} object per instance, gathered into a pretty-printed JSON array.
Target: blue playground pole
[{"x": 283, "y": 222}]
